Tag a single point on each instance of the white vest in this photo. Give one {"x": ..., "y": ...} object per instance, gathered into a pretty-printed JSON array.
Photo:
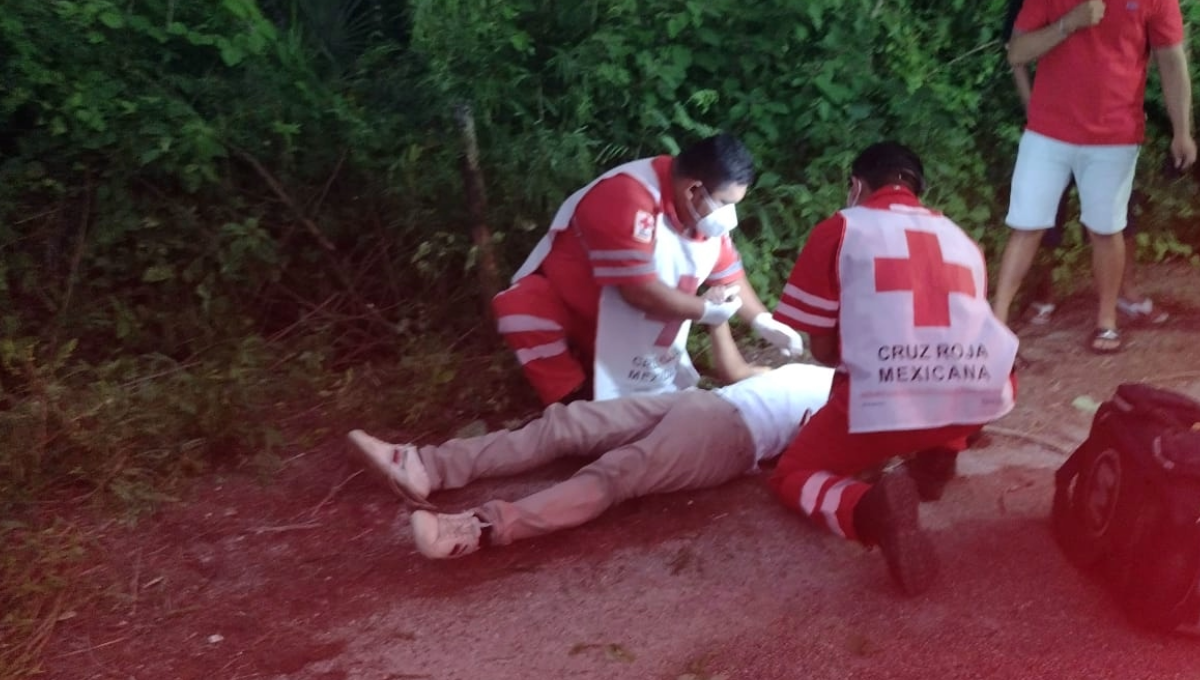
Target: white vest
[
  {"x": 918, "y": 338},
  {"x": 636, "y": 354}
]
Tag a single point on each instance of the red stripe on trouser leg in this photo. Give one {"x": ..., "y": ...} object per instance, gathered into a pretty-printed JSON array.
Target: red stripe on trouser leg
[
  {"x": 787, "y": 487},
  {"x": 545, "y": 336},
  {"x": 826, "y": 450},
  {"x": 845, "y": 509}
]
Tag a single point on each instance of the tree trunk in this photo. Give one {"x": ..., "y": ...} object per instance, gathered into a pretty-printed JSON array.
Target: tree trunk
[{"x": 481, "y": 236}]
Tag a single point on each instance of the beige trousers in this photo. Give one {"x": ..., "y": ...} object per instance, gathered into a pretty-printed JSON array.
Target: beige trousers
[{"x": 639, "y": 446}]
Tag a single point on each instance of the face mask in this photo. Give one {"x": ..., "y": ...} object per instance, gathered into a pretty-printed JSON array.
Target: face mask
[{"x": 718, "y": 222}]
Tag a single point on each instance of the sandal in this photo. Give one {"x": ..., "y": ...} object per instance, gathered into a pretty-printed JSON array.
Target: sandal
[
  {"x": 1043, "y": 312},
  {"x": 1105, "y": 341},
  {"x": 1143, "y": 311}
]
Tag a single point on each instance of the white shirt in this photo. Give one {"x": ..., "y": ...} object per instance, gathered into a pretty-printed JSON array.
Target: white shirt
[{"x": 775, "y": 405}]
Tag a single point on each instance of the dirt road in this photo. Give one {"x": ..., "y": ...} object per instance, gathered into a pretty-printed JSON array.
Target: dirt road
[{"x": 297, "y": 577}]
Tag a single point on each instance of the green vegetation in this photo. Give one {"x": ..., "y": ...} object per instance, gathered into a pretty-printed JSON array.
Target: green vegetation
[
  {"x": 229, "y": 227},
  {"x": 210, "y": 211}
]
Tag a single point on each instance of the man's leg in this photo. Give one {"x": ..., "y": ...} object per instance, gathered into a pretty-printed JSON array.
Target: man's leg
[
  {"x": 1108, "y": 263},
  {"x": 1044, "y": 263},
  {"x": 581, "y": 428},
  {"x": 1129, "y": 286},
  {"x": 577, "y": 429},
  {"x": 814, "y": 474},
  {"x": 1039, "y": 179},
  {"x": 1042, "y": 272},
  {"x": 814, "y": 478},
  {"x": 1041, "y": 275},
  {"x": 1105, "y": 178},
  {"x": 537, "y": 325},
  {"x": 1132, "y": 302},
  {"x": 700, "y": 442},
  {"x": 1018, "y": 255},
  {"x": 932, "y": 469}
]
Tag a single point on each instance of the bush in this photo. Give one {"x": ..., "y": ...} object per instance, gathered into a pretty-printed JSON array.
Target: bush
[{"x": 256, "y": 197}]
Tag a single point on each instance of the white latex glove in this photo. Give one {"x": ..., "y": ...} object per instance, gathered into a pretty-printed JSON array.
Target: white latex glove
[
  {"x": 787, "y": 340},
  {"x": 717, "y": 313}
]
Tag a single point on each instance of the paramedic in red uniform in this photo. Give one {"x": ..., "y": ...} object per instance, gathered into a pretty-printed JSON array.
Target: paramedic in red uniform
[
  {"x": 602, "y": 307},
  {"x": 893, "y": 295}
]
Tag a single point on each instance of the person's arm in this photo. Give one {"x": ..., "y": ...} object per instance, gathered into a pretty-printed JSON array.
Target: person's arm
[
  {"x": 811, "y": 300},
  {"x": 658, "y": 299},
  {"x": 1023, "y": 84},
  {"x": 728, "y": 272},
  {"x": 780, "y": 335},
  {"x": 1177, "y": 94},
  {"x": 1027, "y": 46},
  {"x": 825, "y": 349},
  {"x": 1020, "y": 73},
  {"x": 751, "y": 305},
  {"x": 728, "y": 362},
  {"x": 616, "y": 221}
]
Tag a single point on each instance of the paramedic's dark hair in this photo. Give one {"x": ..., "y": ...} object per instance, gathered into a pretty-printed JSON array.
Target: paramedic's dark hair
[
  {"x": 890, "y": 163},
  {"x": 717, "y": 161}
]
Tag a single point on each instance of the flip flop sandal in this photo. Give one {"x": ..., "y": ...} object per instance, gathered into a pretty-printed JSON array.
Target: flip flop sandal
[
  {"x": 1043, "y": 312},
  {"x": 1143, "y": 311},
  {"x": 1105, "y": 341}
]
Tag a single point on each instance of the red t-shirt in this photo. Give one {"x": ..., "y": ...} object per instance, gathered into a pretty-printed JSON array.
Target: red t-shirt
[
  {"x": 1090, "y": 88},
  {"x": 611, "y": 241},
  {"x": 811, "y": 299}
]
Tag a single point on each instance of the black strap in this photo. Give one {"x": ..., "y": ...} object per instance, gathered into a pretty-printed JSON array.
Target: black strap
[
  {"x": 1068, "y": 529},
  {"x": 1164, "y": 407}
]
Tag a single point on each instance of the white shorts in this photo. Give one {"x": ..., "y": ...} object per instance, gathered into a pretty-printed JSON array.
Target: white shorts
[{"x": 1103, "y": 175}]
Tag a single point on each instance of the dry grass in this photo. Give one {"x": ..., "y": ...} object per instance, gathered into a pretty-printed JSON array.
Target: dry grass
[{"x": 39, "y": 569}]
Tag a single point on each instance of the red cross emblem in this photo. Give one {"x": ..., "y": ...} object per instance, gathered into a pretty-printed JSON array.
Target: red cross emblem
[
  {"x": 643, "y": 226},
  {"x": 930, "y": 278},
  {"x": 687, "y": 284}
]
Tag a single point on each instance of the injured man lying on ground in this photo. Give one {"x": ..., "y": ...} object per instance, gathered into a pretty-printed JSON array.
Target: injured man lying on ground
[{"x": 638, "y": 445}]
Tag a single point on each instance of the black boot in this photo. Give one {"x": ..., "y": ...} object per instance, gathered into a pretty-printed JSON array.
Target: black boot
[
  {"x": 932, "y": 470},
  {"x": 886, "y": 516}
]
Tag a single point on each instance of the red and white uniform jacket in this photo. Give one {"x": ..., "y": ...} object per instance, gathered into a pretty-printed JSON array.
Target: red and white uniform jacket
[
  {"x": 636, "y": 353},
  {"x": 904, "y": 288}
]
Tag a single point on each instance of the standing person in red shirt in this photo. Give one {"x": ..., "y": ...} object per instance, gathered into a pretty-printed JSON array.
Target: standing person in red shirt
[
  {"x": 602, "y": 307},
  {"x": 1131, "y": 302},
  {"x": 1085, "y": 120},
  {"x": 894, "y": 295}
]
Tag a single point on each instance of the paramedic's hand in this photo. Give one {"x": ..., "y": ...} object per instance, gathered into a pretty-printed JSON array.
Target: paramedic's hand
[
  {"x": 720, "y": 304},
  {"x": 787, "y": 340},
  {"x": 721, "y": 294}
]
